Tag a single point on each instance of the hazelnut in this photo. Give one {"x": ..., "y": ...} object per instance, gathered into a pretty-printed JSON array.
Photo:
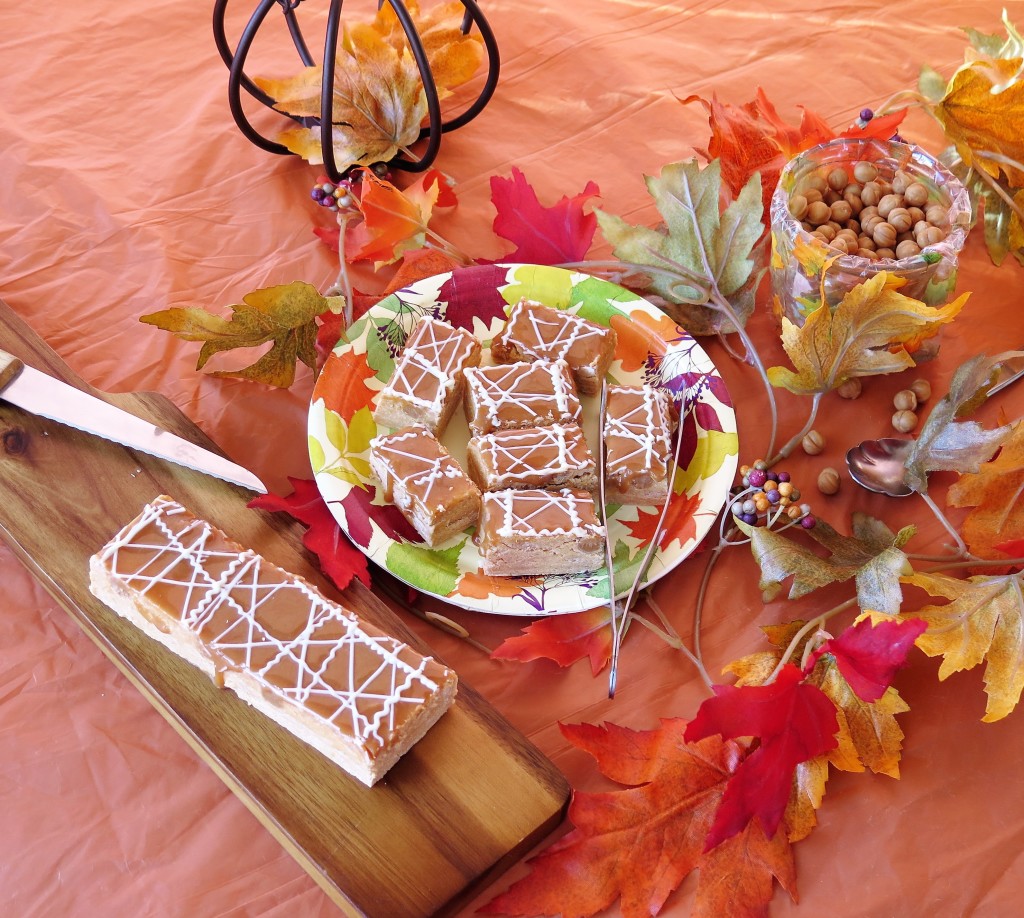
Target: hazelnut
[
  {"x": 812, "y": 195},
  {"x": 931, "y": 236},
  {"x": 865, "y": 172},
  {"x": 827, "y": 231},
  {"x": 832, "y": 196},
  {"x": 850, "y": 388},
  {"x": 922, "y": 389},
  {"x": 936, "y": 214},
  {"x": 884, "y": 235},
  {"x": 904, "y": 421},
  {"x": 842, "y": 244},
  {"x": 798, "y": 206},
  {"x": 869, "y": 254},
  {"x": 817, "y": 183},
  {"x": 868, "y": 224},
  {"x": 871, "y": 194},
  {"x": 899, "y": 219},
  {"x": 889, "y": 203},
  {"x": 907, "y": 249},
  {"x": 901, "y": 181},
  {"x": 916, "y": 214},
  {"x": 916, "y": 194},
  {"x": 871, "y": 211},
  {"x": 841, "y": 211},
  {"x": 905, "y": 400},
  {"x": 838, "y": 179},
  {"x": 813, "y": 443},
  {"x": 828, "y": 480},
  {"x": 818, "y": 213},
  {"x": 886, "y": 253}
]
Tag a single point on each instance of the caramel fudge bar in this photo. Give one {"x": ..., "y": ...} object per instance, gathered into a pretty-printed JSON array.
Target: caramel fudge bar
[
  {"x": 536, "y": 532},
  {"x": 428, "y": 382},
  {"x": 420, "y": 477},
  {"x": 357, "y": 695},
  {"x": 535, "y": 457},
  {"x": 538, "y": 332},
  {"x": 516, "y": 395},
  {"x": 638, "y": 445}
]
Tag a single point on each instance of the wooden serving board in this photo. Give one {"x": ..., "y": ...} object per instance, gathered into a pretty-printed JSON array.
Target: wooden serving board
[{"x": 469, "y": 799}]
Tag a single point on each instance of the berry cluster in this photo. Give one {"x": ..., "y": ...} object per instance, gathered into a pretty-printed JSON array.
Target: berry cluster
[
  {"x": 767, "y": 495},
  {"x": 866, "y": 114},
  {"x": 333, "y": 196}
]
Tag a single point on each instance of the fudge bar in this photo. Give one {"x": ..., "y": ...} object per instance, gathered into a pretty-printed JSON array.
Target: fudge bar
[
  {"x": 535, "y": 457},
  {"x": 638, "y": 445},
  {"x": 538, "y": 332},
  {"x": 516, "y": 395},
  {"x": 536, "y": 532},
  {"x": 420, "y": 477},
  {"x": 357, "y": 695},
  {"x": 428, "y": 382}
]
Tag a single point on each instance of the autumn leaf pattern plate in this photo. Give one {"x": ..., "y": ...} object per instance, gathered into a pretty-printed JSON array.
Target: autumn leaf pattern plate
[{"x": 651, "y": 349}]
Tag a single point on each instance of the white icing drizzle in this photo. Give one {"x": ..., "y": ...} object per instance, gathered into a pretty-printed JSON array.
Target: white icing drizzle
[
  {"x": 248, "y": 586},
  {"x": 555, "y": 333},
  {"x": 520, "y": 509},
  {"x": 644, "y": 427},
  {"x": 435, "y": 353},
  {"x": 428, "y": 465},
  {"x": 542, "y": 389},
  {"x": 513, "y": 454}
]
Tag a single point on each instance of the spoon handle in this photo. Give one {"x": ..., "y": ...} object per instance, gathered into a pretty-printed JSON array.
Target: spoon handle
[{"x": 1016, "y": 371}]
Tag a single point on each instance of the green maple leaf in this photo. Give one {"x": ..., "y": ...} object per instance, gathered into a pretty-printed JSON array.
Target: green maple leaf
[
  {"x": 712, "y": 247},
  {"x": 872, "y": 556},
  {"x": 982, "y": 622},
  {"x": 284, "y": 314},
  {"x": 951, "y": 445}
]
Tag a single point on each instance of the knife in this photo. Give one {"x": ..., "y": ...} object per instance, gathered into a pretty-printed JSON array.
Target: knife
[{"x": 51, "y": 398}]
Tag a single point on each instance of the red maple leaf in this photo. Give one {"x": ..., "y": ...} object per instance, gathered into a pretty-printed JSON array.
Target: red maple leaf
[
  {"x": 795, "y": 721},
  {"x": 868, "y": 657},
  {"x": 638, "y": 844},
  {"x": 339, "y": 559},
  {"x": 543, "y": 235},
  {"x": 564, "y": 639}
]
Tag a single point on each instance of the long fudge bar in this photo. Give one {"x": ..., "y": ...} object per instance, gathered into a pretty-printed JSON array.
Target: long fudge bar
[
  {"x": 428, "y": 381},
  {"x": 516, "y": 395},
  {"x": 420, "y": 477},
  {"x": 535, "y": 457},
  {"x": 638, "y": 445},
  {"x": 359, "y": 696},
  {"x": 536, "y": 532},
  {"x": 538, "y": 332}
]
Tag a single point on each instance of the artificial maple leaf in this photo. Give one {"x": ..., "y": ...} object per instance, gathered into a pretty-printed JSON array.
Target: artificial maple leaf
[
  {"x": 559, "y": 234},
  {"x": 339, "y": 559},
  {"x": 794, "y": 722},
  {"x": 809, "y": 780},
  {"x": 705, "y": 250},
  {"x": 858, "y": 337},
  {"x": 394, "y": 220},
  {"x": 996, "y": 494},
  {"x": 945, "y": 443},
  {"x": 983, "y": 621},
  {"x": 638, "y": 844},
  {"x": 285, "y": 315},
  {"x": 564, "y": 639},
  {"x": 873, "y": 555},
  {"x": 869, "y": 654}
]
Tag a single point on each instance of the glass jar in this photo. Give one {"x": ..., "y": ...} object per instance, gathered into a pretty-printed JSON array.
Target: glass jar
[{"x": 805, "y": 269}]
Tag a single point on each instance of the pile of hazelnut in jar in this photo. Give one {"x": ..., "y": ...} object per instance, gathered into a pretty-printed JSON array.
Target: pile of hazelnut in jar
[{"x": 867, "y": 215}]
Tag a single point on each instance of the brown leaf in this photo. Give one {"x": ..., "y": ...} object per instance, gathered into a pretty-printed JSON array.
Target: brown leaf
[{"x": 859, "y": 337}]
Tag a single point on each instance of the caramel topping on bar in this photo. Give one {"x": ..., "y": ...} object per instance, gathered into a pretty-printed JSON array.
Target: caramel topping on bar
[
  {"x": 551, "y": 334},
  {"x": 434, "y": 355},
  {"x": 637, "y": 433},
  {"x": 536, "y": 452},
  {"x": 524, "y": 394},
  {"x": 250, "y": 614},
  {"x": 534, "y": 513},
  {"x": 429, "y": 474}
]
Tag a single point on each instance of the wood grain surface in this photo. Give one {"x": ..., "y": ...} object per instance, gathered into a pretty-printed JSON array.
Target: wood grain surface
[{"x": 465, "y": 803}]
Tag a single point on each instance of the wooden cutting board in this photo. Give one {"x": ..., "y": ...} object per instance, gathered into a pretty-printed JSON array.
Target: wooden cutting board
[{"x": 470, "y": 799}]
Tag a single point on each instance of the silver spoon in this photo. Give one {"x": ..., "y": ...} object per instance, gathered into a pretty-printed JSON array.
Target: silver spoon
[{"x": 879, "y": 465}]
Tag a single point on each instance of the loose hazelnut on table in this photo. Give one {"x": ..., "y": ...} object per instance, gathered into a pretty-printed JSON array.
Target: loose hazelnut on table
[
  {"x": 813, "y": 443},
  {"x": 922, "y": 389},
  {"x": 850, "y": 388},
  {"x": 905, "y": 400},
  {"x": 828, "y": 480},
  {"x": 904, "y": 421}
]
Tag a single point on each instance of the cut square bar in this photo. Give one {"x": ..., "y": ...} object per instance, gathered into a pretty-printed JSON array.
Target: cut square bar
[
  {"x": 517, "y": 395},
  {"x": 534, "y": 457},
  {"x": 638, "y": 445},
  {"x": 357, "y": 695},
  {"x": 420, "y": 477},
  {"x": 538, "y": 332},
  {"x": 536, "y": 532},
  {"x": 428, "y": 381}
]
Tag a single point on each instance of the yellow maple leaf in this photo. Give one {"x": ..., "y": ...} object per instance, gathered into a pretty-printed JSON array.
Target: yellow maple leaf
[
  {"x": 860, "y": 337},
  {"x": 808, "y": 792},
  {"x": 981, "y": 119},
  {"x": 996, "y": 492},
  {"x": 982, "y": 622}
]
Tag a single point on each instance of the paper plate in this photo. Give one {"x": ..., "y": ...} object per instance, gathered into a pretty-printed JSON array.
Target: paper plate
[{"x": 651, "y": 349}]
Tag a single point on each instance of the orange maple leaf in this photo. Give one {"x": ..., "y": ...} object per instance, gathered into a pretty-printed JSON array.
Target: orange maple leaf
[
  {"x": 342, "y": 383},
  {"x": 561, "y": 638},
  {"x": 680, "y": 523},
  {"x": 640, "y": 336},
  {"x": 638, "y": 844}
]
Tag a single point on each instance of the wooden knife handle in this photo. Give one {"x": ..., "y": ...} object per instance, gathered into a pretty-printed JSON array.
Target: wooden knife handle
[{"x": 10, "y": 367}]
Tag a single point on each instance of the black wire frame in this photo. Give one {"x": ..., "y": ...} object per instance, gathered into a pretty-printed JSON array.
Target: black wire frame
[{"x": 237, "y": 80}]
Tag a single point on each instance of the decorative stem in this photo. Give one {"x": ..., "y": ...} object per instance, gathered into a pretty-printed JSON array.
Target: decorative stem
[
  {"x": 794, "y": 442},
  {"x": 804, "y": 630},
  {"x": 342, "y": 283},
  {"x": 941, "y": 517},
  {"x": 911, "y": 95},
  {"x": 676, "y": 642},
  {"x": 999, "y": 190}
]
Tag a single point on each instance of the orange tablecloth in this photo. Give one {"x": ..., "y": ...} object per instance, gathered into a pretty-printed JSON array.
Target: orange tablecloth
[{"x": 126, "y": 189}]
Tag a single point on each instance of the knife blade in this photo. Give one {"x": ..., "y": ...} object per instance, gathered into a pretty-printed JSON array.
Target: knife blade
[{"x": 49, "y": 397}]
